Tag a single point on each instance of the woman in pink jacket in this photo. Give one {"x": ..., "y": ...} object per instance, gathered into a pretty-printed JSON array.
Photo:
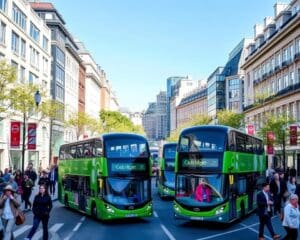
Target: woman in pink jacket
[{"x": 203, "y": 191}]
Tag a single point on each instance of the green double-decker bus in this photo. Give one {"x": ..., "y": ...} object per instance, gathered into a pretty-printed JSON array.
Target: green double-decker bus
[
  {"x": 108, "y": 177},
  {"x": 166, "y": 183},
  {"x": 219, "y": 171}
]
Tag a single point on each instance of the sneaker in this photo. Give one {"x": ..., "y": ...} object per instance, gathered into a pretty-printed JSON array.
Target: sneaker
[{"x": 276, "y": 236}]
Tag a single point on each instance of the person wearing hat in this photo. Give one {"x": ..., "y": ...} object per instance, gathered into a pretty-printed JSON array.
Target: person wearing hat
[
  {"x": 264, "y": 211},
  {"x": 291, "y": 218},
  {"x": 8, "y": 208}
]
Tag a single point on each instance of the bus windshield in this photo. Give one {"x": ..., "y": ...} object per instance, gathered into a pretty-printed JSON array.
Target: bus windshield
[
  {"x": 202, "y": 140},
  {"x": 200, "y": 190},
  {"x": 169, "y": 179},
  {"x": 125, "y": 148},
  {"x": 170, "y": 151},
  {"x": 127, "y": 191}
]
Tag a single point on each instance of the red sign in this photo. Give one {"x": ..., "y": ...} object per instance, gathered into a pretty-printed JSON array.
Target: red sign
[
  {"x": 15, "y": 134},
  {"x": 270, "y": 149},
  {"x": 250, "y": 129},
  {"x": 31, "y": 136},
  {"x": 293, "y": 135}
]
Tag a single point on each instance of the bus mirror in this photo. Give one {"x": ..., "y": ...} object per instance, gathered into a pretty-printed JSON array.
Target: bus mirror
[
  {"x": 231, "y": 179},
  {"x": 100, "y": 182}
]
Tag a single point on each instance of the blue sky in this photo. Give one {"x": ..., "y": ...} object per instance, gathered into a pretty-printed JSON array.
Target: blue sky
[{"x": 139, "y": 43}]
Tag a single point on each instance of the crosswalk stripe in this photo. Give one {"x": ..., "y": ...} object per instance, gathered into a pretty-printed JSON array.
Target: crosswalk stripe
[
  {"x": 37, "y": 235},
  {"x": 21, "y": 230},
  {"x": 56, "y": 227}
]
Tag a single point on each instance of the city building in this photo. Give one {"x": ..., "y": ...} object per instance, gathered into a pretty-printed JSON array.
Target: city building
[
  {"x": 171, "y": 81},
  {"x": 81, "y": 88},
  {"x": 195, "y": 103},
  {"x": 178, "y": 92},
  {"x": 135, "y": 117},
  {"x": 272, "y": 73},
  {"x": 149, "y": 121},
  {"x": 60, "y": 39},
  {"x": 25, "y": 43},
  {"x": 234, "y": 81},
  {"x": 71, "y": 88},
  {"x": 161, "y": 116},
  {"x": 93, "y": 82}
]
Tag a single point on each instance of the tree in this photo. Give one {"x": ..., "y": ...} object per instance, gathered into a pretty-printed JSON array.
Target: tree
[
  {"x": 80, "y": 121},
  {"x": 278, "y": 125},
  {"x": 113, "y": 121},
  {"x": 195, "y": 120},
  {"x": 230, "y": 118},
  {"x": 7, "y": 79}
]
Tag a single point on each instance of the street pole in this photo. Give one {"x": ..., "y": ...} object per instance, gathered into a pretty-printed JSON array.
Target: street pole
[
  {"x": 283, "y": 149},
  {"x": 50, "y": 141},
  {"x": 23, "y": 141}
]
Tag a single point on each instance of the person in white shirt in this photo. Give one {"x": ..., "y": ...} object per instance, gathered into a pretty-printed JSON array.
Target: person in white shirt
[
  {"x": 8, "y": 206},
  {"x": 291, "y": 218}
]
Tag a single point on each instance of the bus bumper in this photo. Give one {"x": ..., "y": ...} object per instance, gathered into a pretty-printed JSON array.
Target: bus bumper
[
  {"x": 165, "y": 192},
  {"x": 218, "y": 214}
]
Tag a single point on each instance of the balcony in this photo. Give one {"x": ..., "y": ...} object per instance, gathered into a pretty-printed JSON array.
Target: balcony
[
  {"x": 277, "y": 68},
  {"x": 297, "y": 56}
]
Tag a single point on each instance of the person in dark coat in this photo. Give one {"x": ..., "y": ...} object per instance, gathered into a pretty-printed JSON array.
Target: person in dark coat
[
  {"x": 27, "y": 185},
  {"x": 42, "y": 206},
  {"x": 277, "y": 188},
  {"x": 30, "y": 172},
  {"x": 52, "y": 176},
  {"x": 44, "y": 180},
  {"x": 264, "y": 212}
]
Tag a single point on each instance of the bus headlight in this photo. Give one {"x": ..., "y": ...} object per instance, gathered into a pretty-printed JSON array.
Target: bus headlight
[
  {"x": 176, "y": 208},
  {"x": 109, "y": 209},
  {"x": 149, "y": 206},
  {"x": 220, "y": 210}
]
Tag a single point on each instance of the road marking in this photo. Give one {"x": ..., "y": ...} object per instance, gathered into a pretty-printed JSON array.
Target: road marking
[
  {"x": 82, "y": 219},
  {"x": 254, "y": 230},
  {"x": 167, "y": 232},
  {"x": 56, "y": 227},
  {"x": 77, "y": 227},
  {"x": 155, "y": 214},
  {"x": 21, "y": 230},
  {"x": 225, "y": 233}
]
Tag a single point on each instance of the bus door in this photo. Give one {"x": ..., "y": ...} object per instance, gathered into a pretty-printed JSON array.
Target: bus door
[
  {"x": 232, "y": 197},
  {"x": 83, "y": 193}
]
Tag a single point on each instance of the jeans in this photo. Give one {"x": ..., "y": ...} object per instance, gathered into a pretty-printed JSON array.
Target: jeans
[
  {"x": 265, "y": 220},
  {"x": 8, "y": 225},
  {"x": 52, "y": 187},
  {"x": 36, "y": 223}
]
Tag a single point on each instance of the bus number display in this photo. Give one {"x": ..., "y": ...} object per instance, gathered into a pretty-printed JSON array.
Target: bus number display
[
  {"x": 128, "y": 167},
  {"x": 200, "y": 163}
]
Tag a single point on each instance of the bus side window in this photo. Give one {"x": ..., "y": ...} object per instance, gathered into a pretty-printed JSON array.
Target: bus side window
[
  {"x": 73, "y": 152},
  {"x": 79, "y": 151},
  {"x": 98, "y": 149},
  {"x": 87, "y": 150},
  {"x": 62, "y": 153}
]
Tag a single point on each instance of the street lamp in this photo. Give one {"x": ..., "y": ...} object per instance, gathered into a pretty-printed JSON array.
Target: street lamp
[{"x": 37, "y": 99}]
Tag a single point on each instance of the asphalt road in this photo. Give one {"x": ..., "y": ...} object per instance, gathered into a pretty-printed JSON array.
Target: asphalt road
[{"x": 66, "y": 224}]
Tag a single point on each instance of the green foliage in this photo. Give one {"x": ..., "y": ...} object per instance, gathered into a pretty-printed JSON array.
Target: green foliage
[
  {"x": 116, "y": 122},
  {"x": 195, "y": 120},
  {"x": 7, "y": 79},
  {"x": 80, "y": 121},
  {"x": 230, "y": 118},
  {"x": 278, "y": 125}
]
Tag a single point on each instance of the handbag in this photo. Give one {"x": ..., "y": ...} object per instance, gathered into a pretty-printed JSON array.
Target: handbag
[{"x": 20, "y": 218}]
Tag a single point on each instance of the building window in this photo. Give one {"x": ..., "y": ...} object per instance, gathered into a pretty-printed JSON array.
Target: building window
[
  {"x": 34, "y": 57},
  {"x": 15, "y": 42},
  {"x": 292, "y": 78},
  {"x": 2, "y": 32},
  {"x": 23, "y": 48},
  {"x": 298, "y": 45},
  {"x": 14, "y": 65},
  {"x": 291, "y": 52},
  {"x": 34, "y": 32},
  {"x": 285, "y": 55},
  {"x": 3, "y": 5},
  {"x": 22, "y": 75},
  {"x": 59, "y": 93},
  {"x": 60, "y": 56},
  {"x": 278, "y": 84},
  {"x": 278, "y": 60},
  {"x": 45, "y": 43},
  {"x": 298, "y": 75},
  {"x": 59, "y": 75},
  {"x": 33, "y": 78},
  {"x": 45, "y": 65},
  {"x": 286, "y": 81},
  {"x": 19, "y": 17}
]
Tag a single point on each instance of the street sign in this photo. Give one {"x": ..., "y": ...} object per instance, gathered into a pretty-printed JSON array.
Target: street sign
[
  {"x": 250, "y": 129},
  {"x": 15, "y": 134}
]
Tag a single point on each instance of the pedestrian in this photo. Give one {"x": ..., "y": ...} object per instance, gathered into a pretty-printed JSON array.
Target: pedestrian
[
  {"x": 52, "y": 179},
  {"x": 13, "y": 183},
  {"x": 291, "y": 218},
  {"x": 6, "y": 175},
  {"x": 291, "y": 185},
  {"x": 42, "y": 206},
  {"x": 30, "y": 172},
  {"x": 277, "y": 189},
  {"x": 19, "y": 180},
  {"x": 27, "y": 185},
  {"x": 9, "y": 207},
  {"x": 264, "y": 212},
  {"x": 44, "y": 179},
  {"x": 293, "y": 171}
]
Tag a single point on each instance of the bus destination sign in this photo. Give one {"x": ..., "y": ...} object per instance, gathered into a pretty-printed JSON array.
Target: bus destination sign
[
  {"x": 200, "y": 163},
  {"x": 128, "y": 167}
]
